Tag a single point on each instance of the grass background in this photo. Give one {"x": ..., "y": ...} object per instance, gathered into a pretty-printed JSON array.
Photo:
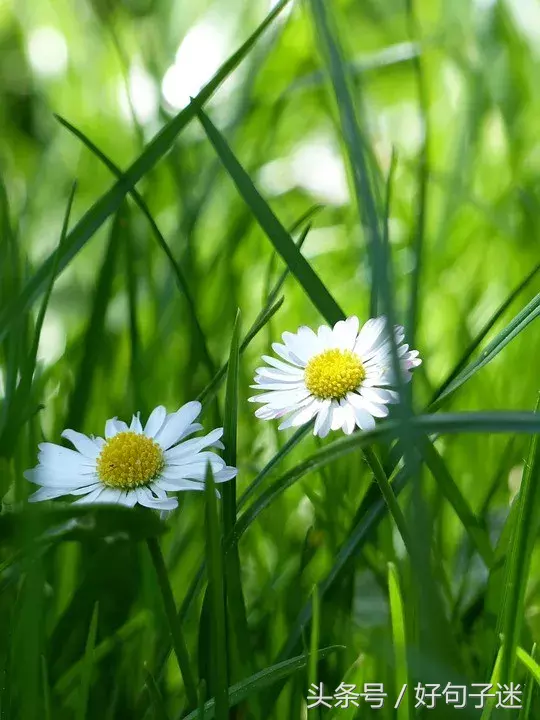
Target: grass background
[{"x": 397, "y": 144}]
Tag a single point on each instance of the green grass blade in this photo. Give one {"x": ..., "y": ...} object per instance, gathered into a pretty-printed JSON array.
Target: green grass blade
[
  {"x": 534, "y": 669},
  {"x": 354, "y": 142},
  {"x": 423, "y": 182},
  {"x": 111, "y": 200},
  {"x": 230, "y": 423},
  {"x": 276, "y": 233},
  {"x": 239, "y": 635},
  {"x": 441, "y": 423},
  {"x": 214, "y": 561},
  {"x": 260, "y": 680},
  {"x": 314, "y": 638},
  {"x": 175, "y": 627},
  {"x": 86, "y": 672},
  {"x": 519, "y": 558},
  {"x": 447, "y": 485},
  {"x": 495, "y": 678},
  {"x": 141, "y": 204},
  {"x": 397, "y": 616},
  {"x": 529, "y": 313},
  {"x": 529, "y": 663},
  {"x": 157, "y": 701},
  {"x": 95, "y": 329},
  {"x": 462, "y": 362}
]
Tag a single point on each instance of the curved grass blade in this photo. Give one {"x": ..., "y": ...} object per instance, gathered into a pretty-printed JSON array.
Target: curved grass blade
[
  {"x": 263, "y": 679},
  {"x": 141, "y": 204},
  {"x": 441, "y": 423},
  {"x": 462, "y": 362},
  {"x": 529, "y": 313},
  {"x": 276, "y": 233},
  {"x": 519, "y": 558},
  {"x": 111, "y": 200}
]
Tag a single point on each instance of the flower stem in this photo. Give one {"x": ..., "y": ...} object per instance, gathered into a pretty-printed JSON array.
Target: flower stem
[{"x": 175, "y": 627}]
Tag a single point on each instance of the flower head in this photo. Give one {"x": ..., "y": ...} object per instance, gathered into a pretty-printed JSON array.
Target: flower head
[
  {"x": 132, "y": 464},
  {"x": 340, "y": 376}
]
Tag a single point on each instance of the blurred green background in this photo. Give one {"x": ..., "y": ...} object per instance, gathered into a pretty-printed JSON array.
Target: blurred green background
[{"x": 446, "y": 90}]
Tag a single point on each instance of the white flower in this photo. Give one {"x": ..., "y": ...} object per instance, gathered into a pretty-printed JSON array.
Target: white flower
[
  {"x": 132, "y": 465},
  {"x": 340, "y": 376}
]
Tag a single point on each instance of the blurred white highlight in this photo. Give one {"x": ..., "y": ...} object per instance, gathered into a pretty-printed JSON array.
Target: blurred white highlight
[
  {"x": 201, "y": 53},
  {"x": 47, "y": 52},
  {"x": 313, "y": 166},
  {"x": 144, "y": 95}
]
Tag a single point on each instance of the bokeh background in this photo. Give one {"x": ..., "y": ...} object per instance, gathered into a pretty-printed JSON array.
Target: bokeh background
[{"x": 448, "y": 92}]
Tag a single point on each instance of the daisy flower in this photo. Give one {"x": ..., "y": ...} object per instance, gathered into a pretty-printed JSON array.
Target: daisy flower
[
  {"x": 132, "y": 464},
  {"x": 340, "y": 376}
]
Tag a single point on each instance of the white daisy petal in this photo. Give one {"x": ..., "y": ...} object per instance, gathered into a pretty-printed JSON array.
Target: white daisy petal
[
  {"x": 136, "y": 424},
  {"x": 349, "y": 419},
  {"x": 284, "y": 352},
  {"x": 155, "y": 421},
  {"x": 301, "y": 417},
  {"x": 176, "y": 423},
  {"x": 364, "y": 420},
  {"x": 84, "y": 444},
  {"x": 190, "y": 447},
  {"x": 345, "y": 333},
  {"x": 145, "y": 498},
  {"x": 379, "y": 395},
  {"x": 280, "y": 365},
  {"x": 113, "y": 427},
  {"x": 323, "y": 421},
  {"x": 372, "y": 408}
]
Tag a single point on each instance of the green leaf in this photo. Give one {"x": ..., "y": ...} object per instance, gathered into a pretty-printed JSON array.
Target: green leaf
[
  {"x": 276, "y": 233},
  {"x": 263, "y": 679},
  {"x": 111, "y": 200},
  {"x": 214, "y": 561}
]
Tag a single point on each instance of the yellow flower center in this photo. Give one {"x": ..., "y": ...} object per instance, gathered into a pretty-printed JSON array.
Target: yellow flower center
[
  {"x": 334, "y": 373},
  {"x": 129, "y": 460}
]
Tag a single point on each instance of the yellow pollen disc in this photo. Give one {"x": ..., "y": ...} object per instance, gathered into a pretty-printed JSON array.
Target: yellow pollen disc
[
  {"x": 129, "y": 460},
  {"x": 334, "y": 373}
]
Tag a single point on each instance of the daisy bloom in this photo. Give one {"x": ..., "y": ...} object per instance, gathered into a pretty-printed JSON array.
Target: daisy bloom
[
  {"x": 132, "y": 464},
  {"x": 340, "y": 376}
]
